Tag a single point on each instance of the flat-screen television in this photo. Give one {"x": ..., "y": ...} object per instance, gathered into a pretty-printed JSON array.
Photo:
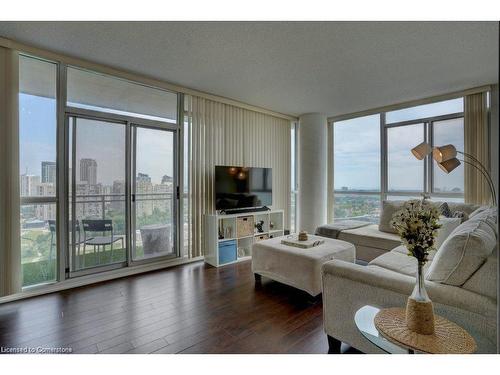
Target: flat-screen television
[{"x": 242, "y": 187}]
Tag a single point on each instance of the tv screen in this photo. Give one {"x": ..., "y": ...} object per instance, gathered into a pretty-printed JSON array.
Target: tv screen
[{"x": 242, "y": 187}]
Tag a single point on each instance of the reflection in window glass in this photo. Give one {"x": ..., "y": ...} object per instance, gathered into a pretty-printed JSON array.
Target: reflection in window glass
[
  {"x": 357, "y": 206},
  {"x": 101, "y": 92},
  {"x": 426, "y": 110},
  {"x": 356, "y": 147},
  {"x": 405, "y": 172},
  {"x": 449, "y": 132}
]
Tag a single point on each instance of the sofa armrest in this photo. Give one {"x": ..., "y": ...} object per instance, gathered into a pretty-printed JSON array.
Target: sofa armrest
[
  {"x": 348, "y": 287},
  {"x": 385, "y": 279}
]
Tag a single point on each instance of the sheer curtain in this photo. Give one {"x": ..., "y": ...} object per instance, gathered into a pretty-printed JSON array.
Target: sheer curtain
[
  {"x": 10, "y": 248},
  {"x": 222, "y": 134},
  {"x": 476, "y": 143}
]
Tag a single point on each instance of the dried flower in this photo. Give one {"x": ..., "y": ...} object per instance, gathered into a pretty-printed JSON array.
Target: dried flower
[{"x": 417, "y": 224}]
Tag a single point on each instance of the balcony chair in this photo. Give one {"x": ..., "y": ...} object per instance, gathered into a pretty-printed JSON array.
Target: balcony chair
[{"x": 103, "y": 226}]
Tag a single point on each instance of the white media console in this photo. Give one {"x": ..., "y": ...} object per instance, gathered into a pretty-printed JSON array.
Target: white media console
[{"x": 229, "y": 238}]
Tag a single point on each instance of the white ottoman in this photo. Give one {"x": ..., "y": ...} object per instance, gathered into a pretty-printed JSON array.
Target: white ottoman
[{"x": 300, "y": 268}]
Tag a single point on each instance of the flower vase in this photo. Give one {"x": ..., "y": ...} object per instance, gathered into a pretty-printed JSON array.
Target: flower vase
[{"x": 419, "y": 310}]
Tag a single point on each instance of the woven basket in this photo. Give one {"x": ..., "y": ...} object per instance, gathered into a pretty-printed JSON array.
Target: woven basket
[{"x": 244, "y": 226}]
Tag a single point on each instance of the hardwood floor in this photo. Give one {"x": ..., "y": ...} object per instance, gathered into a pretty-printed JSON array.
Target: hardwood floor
[{"x": 192, "y": 308}]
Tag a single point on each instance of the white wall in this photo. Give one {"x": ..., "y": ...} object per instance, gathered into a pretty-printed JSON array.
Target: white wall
[{"x": 312, "y": 170}]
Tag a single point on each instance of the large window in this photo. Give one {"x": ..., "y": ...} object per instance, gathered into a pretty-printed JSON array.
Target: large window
[
  {"x": 37, "y": 165},
  {"x": 368, "y": 168},
  {"x": 405, "y": 173},
  {"x": 448, "y": 132},
  {"x": 356, "y": 144},
  {"x": 113, "y": 146}
]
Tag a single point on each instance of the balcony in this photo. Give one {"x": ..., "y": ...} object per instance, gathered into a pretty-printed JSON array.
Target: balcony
[{"x": 39, "y": 240}]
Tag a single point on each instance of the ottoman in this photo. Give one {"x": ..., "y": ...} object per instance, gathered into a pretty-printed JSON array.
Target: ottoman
[{"x": 300, "y": 268}]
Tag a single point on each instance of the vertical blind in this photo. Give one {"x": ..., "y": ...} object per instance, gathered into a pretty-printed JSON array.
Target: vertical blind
[
  {"x": 222, "y": 134},
  {"x": 476, "y": 143}
]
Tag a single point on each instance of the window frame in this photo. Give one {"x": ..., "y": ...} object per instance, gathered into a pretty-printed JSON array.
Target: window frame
[{"x": 429, "y": 165}]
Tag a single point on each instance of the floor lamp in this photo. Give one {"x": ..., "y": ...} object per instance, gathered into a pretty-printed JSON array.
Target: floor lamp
[{"x": 446, "y": 158}]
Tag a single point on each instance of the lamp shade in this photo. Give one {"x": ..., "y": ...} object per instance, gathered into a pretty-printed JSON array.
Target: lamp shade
[
  {"x": 449, "y": 165},
  {"x": 444, "y": 153},
  {"x": 421, "y": 151}
]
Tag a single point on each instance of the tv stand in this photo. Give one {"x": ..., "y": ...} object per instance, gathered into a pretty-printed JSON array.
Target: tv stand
[
  {"x": 244, "y": 210},
  {"x": 229, "y": 238}
]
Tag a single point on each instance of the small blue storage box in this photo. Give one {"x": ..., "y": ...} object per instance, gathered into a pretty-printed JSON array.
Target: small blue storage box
[{"x": 227, "y": 251}]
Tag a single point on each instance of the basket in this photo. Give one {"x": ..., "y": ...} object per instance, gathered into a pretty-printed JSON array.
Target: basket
[{"x": 244, "y": 226}]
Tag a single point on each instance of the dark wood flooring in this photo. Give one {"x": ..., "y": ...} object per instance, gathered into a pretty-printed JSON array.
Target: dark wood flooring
[{"x": 192, "y": 308}]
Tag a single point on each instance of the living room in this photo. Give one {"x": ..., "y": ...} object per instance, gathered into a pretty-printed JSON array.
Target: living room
[{"x": 208, "y": 187}]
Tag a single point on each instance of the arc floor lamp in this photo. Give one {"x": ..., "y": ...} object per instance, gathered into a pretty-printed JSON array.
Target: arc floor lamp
[{"x": 446, "y": 158}]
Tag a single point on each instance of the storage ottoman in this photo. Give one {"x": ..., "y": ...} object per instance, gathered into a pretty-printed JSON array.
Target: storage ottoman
[{"x": 300, "y": 268}]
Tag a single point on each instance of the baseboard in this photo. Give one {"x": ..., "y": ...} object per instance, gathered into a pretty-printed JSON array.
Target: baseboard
[{"x": 95, "y": 278}]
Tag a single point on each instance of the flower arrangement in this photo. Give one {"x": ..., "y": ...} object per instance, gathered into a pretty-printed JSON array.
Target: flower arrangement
[{"x": 417, "y": 224}]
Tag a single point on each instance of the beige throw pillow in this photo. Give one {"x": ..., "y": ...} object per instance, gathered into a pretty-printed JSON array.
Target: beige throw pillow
[
  {"x": 389, "y": 208},
  {"x": 463, "y": 252}
]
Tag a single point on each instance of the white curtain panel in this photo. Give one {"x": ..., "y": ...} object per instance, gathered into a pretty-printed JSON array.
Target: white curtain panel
[
  {"x": 222, "y": 134},
  {"x": 476, "y": 190},
  {"x": 10, "y": 248}
]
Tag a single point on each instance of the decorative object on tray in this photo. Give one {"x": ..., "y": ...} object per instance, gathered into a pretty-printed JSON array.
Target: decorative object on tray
[
  {"x": 448, "y": 337},
  {"x": 260, "y": 226},
  {"x": 303, "y": 244},
  {"x": 417, "y": 224},
  {"x": 302, "y": 235}
]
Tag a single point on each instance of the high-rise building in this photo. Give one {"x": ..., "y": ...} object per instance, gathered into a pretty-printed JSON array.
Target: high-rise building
[
  {"x": 166, "y": 179},
  {"x": 143, "y": 177},
  {"x": 29, "y": 184},
  {"x": 88, "y": 171},
  {"x": 49, "y": 172}
]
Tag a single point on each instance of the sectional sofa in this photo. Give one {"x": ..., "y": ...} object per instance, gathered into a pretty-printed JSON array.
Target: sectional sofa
[{"x": 461, "y": 280}]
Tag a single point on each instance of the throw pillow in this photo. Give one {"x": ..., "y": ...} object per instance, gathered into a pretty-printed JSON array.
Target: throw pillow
[
  {"x": 461, "y": 215},
  {"x": 389, "y": 208},
  {"x": 448, "y": 225},
  {"x": 463, "y": 252},
  {"x": 445, "y": 210}
]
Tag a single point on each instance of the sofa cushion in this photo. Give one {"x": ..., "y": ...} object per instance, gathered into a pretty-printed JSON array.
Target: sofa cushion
[
  {"x": 389, "y": 208},
  {"x": 371, "y": 236},
  {"x": 478, "y": 211},
  {"x": 484, "y": 280},
  {"x": 403, "y": 250},
  {"x": 397, "y": 261},
  {"x": 465, "y": 250}
]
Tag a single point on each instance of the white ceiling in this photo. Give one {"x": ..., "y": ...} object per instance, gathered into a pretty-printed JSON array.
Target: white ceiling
[{"x": 294, "y": 68}]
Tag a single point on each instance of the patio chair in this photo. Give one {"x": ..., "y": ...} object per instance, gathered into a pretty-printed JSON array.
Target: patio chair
[
  {"x": 103, "y": 226},
  {"x": 77, "y": 242}
]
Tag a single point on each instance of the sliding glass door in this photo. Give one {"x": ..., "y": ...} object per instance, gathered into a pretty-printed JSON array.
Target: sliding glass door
[
  {"x": 97, "y": 183},
  {"x": 122, "y": 193},
  {"x": 153, "y": 193}
]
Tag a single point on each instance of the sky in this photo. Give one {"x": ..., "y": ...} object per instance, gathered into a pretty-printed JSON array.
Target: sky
[
  {"x": 104, "y": 142},
  {"x": 356, "y": 145},
  {"x": 357, "y": 149}
]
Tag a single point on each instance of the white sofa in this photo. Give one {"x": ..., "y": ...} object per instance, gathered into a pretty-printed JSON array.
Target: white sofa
[
  {"x": 371, "y": 242},
  {"x": 389, "y": 279}
]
